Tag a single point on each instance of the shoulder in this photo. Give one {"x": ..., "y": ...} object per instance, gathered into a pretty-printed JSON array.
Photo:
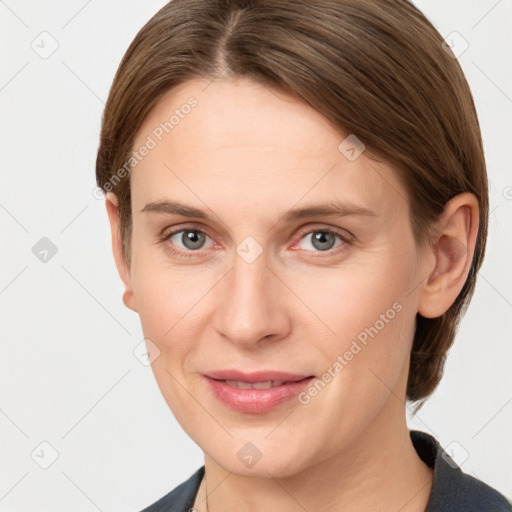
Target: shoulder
[
  {"x": 181, "y": 498},
  {"x": 452, "y": 489}
]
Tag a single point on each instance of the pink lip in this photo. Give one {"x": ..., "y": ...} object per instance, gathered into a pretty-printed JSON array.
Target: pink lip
[{"x": 256, "y": 400}]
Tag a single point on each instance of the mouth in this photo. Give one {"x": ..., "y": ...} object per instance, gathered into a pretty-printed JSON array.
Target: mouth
[
  {"x": 256, "y": 377},
  {"x": 239, "y": 384},
  {"x": 250, "y": 395}
]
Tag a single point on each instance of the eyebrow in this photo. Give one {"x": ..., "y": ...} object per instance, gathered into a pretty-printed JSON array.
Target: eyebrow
[{"x": 334, "y": 208}]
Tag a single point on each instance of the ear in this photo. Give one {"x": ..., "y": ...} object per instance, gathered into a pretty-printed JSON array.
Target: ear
[
  {"x": 450, "y": 255},
  {"x": 111, "y": 203}
]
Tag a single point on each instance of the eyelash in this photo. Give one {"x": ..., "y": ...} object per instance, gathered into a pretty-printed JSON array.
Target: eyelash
[{"x": 190, "y": 253}]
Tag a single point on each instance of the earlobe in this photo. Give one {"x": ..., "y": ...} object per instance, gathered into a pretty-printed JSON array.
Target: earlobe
[
  {"x": 111, "y": 204},
  {"x": 453, "y": 249}
]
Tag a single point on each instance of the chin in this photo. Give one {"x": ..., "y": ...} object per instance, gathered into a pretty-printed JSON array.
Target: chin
[{"x": 258, "y": 459}]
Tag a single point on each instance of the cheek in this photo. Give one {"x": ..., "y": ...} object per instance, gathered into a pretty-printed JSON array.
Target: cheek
[
  {"x": 365, "y": 363},
  {"x": 159, "y": 296},
  {"x": 356, "y": 296},
  {"x": 169, "y": 306},
  {"x": 164, "y": 300},
  {"x": 366, "y": 314}
]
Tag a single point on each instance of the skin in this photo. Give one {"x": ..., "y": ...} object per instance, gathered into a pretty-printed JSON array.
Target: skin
[{"x": 245, "y": 155}]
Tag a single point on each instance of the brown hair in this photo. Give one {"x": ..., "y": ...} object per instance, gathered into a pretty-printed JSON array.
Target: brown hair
[{"x": 375, "y": 69}]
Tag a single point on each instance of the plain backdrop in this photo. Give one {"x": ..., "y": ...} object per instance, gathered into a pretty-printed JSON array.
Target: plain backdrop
[{"x": 73, "y": 397}]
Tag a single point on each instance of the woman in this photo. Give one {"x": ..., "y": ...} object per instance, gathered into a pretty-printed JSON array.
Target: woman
[{"x": 298, "y": 202}]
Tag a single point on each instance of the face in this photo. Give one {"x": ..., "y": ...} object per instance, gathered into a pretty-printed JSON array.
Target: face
[{"x": 253, "y": 274}]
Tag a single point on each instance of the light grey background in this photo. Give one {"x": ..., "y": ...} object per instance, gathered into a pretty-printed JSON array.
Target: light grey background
[{"x": 68, "y": 376}]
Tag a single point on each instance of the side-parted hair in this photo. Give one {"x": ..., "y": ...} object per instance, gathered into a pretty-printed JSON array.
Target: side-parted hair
[{"x": 376, "y": 69}]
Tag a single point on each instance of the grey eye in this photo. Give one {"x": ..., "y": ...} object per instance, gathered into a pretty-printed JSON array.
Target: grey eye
[
  {"x": 191, "y": 239},
  {"x": 323, "y": 240}
]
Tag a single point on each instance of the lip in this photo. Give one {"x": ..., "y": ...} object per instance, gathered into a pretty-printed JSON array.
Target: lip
[
  {"x": 259, "y": 376},
  {"x": 256, "y": 401}
]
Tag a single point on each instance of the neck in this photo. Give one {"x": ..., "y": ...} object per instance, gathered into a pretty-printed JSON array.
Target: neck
[{"x": 380, "y": 470}]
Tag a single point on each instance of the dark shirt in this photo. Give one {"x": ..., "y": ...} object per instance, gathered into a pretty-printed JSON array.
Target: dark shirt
[{"x": 452, "y": 490}]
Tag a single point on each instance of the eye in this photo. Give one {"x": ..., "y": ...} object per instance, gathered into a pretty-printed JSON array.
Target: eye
[
  {"x": 191, "y": 240},
  {"x": 323, "y": 240},
  {"x": 184, "y": 242}
]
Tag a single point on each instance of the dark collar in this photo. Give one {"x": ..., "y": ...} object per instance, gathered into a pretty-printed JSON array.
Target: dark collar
[{"x": 452, "y": 490}]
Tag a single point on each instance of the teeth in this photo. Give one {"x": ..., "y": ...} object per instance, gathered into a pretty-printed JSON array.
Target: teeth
[{"x": 253, "y": 385}]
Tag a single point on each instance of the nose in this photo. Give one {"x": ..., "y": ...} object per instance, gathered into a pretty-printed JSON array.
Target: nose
[{"x": 252, "y": 304}]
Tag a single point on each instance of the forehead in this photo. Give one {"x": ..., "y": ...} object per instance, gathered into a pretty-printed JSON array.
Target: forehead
[
  {"x": 240, "y": 115},
  {"x": 243, "y": 139}
]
